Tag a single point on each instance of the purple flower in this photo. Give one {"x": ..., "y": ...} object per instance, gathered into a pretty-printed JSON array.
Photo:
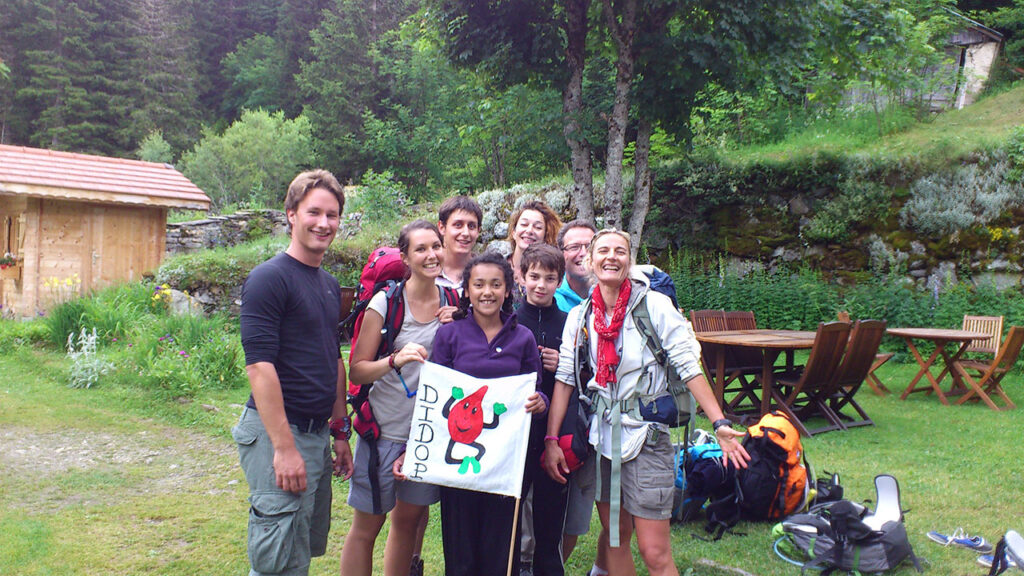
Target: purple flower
[{"x": 183, "y": 354}]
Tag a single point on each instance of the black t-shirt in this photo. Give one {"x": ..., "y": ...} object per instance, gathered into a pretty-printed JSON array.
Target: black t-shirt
[{"x": 289, "y": 318}]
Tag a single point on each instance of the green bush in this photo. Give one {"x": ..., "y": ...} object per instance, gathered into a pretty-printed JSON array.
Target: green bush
[
  {"x": 380, "y": 198},
  {"x": 183, "y": 355},
  {"x": 16, "y": 334},
  {"x": 974, "y": 194},
  {"x": 858, "y": 203},
  {"x": 133, "y": 337},
  {"x": 224, "y": 267}
]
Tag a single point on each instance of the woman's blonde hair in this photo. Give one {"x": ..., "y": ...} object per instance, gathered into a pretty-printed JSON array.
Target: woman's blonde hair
[{"x": 552, "y": 223}]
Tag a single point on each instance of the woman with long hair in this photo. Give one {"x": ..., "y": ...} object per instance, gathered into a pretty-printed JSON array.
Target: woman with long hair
[
  {"x": 625, "y": 371},
  {"x": 395, "y": 379}
]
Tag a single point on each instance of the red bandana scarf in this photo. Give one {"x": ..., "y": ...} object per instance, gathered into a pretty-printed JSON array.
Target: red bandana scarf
[{"x": 607, "y": 356}]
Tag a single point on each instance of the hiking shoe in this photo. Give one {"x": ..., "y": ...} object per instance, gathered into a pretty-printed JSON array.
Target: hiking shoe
[
  {"x": 961, "y": 538},
  {"x": 416, "y": 567},
  {"x": 987, "y": 559}
]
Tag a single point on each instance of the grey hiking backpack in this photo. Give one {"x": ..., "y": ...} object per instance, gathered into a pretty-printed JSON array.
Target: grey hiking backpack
[{"x": 845, "y": 536}]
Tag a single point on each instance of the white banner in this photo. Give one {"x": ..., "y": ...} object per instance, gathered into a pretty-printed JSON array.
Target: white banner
[{"x": 470, "y": 432}]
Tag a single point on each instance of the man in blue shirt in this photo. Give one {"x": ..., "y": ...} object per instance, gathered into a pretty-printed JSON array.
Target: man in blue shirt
[{"x": 574, "y": 239}]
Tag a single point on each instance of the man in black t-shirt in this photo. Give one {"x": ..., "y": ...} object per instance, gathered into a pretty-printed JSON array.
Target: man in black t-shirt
[{"x": 288, "y": 324}]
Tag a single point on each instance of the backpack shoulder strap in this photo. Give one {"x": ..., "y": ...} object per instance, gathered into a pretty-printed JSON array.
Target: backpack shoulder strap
[
  {"x": 393, "y": 318},
  {"x": 448, "y": 296},
  {"x": 581, "y": 362},
  {"x": 642, "y": 319}
]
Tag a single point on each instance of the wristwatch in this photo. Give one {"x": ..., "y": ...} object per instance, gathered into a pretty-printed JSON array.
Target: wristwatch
[
  {"x": 721, "y": 422},
  {"x": 341, "y": 428}
]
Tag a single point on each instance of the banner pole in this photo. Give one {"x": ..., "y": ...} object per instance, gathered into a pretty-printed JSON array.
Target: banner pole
[{"x": 512, "y": 548}]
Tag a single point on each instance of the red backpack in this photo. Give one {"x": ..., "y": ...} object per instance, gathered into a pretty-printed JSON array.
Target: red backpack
[{"x": 384, "y": 270}]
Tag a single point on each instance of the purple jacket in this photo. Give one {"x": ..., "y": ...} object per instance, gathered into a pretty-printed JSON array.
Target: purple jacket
[{"x": 461, "y": 345}]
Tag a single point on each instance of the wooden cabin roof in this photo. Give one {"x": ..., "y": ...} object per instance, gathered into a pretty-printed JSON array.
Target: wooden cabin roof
[{"x": 82, "y": 177}]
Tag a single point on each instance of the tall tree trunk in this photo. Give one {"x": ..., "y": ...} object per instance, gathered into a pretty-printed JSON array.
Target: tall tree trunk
[
  {"x": 572, "y": 107},
  {"x": 623, "y": 29},
  {"x": 641, "y": 185}
]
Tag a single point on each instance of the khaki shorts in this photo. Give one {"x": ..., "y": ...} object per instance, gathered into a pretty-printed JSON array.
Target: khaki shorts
[
  {"x": 648, "y": 481},
  {"x": 285, "y": 528}
]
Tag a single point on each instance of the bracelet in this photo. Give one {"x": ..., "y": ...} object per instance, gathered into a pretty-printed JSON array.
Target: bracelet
[
  {"x": 341, "y": 428},
  {"x": 555, "y": 438},
  {"x": 391, "y": 361},
  {"x": 721, "y": 422}
]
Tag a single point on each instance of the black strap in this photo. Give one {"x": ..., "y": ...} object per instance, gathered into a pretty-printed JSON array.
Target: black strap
[
  {"x": 374, "y": 470},
  {"x": 999, "y": 562}
]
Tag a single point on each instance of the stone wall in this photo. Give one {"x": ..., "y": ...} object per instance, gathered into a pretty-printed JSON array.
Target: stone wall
[{"x": 221, "y": 231}]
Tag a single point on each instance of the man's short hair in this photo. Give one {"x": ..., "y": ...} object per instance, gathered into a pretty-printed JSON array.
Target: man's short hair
[
  {"x": 569, "y": 226},
  {"x": 544, "y": 256},
  {"x": 309, "y": 180},
  {"x": 465, "y": 203}
]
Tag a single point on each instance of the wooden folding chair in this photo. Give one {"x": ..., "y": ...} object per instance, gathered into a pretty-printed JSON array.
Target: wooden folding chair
[
  {"x": 708, "y": 320},
  {"x": 991, "y": 325},
  {"x": 740, "y": 320},
  {"x": 800, "y": 395},
  {"x": 742, "y": 363},
  {"x": 872, "y": 379},
  {"x": 858, "y": 360},
  {"x": 985, "y": 382},
  {"x": 739, "y": 394}
]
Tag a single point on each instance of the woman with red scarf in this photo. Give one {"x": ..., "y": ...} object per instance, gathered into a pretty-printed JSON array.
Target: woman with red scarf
[{"x": 637, "y": 468}]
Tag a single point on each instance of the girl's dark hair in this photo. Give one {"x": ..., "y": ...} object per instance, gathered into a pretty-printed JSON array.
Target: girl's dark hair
[
  {"x": 486, "y": 258},
  {"x": 403, "y": 236}
]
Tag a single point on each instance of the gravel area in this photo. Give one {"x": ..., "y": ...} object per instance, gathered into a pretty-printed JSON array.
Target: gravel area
[{"x": 168, "y": 461}]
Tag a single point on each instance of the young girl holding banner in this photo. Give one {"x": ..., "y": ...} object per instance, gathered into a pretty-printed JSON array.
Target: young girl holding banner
[{"x": 485, "y": 341}]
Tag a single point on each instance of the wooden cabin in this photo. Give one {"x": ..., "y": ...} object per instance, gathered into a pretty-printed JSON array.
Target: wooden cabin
[{"x": 70, "y": 223}]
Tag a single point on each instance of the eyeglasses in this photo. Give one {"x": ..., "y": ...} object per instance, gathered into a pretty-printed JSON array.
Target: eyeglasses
[{"x": 573, "y": 248}]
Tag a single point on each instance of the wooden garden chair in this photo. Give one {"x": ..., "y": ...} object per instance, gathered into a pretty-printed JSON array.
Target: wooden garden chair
[
  {"x": 740, "y": 320},
  {"x": 708, "y": 320},
  {"x": 991, "y": 325},
  {"x": 985, "y": 381},
  {"x": 743, "y": 363},
  {"x": 805, "y": 393},
  {"x": 880, "y": 358},
  {"x": 737, "y": 388},
  {"x": 858, "y": 360}
]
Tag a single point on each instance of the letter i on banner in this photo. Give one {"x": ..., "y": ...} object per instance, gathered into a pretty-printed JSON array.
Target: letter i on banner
[{"x": 470, "y": 432}]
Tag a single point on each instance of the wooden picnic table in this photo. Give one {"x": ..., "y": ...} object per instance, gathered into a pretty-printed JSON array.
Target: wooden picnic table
[
  {"x": 941, "y": 337},
  {"x": 771, "y": 343}
]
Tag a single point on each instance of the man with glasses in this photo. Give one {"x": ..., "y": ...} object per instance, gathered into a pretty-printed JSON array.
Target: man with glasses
[{"x": 574, "y": 239}]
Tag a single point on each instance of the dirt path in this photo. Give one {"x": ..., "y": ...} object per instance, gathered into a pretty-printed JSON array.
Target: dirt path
[{"x": 171, "y": 460}]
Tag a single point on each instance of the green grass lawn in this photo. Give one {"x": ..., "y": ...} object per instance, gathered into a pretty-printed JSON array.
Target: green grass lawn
[
  {"x": 945, "y": 136},
  {"x": 111, "y": 480}
]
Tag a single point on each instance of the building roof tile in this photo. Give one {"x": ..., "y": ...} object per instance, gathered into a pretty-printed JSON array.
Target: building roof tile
[{"x": 82, "y": 177}]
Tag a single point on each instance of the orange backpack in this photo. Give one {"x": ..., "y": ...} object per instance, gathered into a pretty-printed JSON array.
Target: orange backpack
[
  {"x": 774, "y": 483},
  {"x": 780, "y": 488}
]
